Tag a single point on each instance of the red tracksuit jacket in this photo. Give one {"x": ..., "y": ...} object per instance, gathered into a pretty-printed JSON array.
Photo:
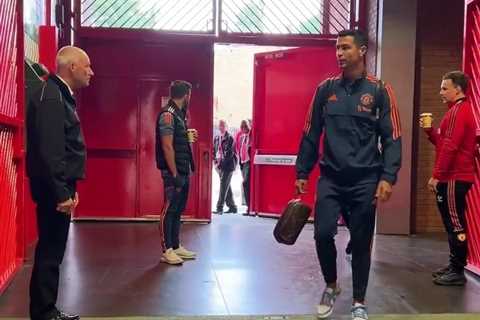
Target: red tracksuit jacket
[{"x": 455, "y": 143}]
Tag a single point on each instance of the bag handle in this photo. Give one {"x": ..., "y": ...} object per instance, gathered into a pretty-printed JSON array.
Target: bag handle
[{"x": 298, "y": 195}]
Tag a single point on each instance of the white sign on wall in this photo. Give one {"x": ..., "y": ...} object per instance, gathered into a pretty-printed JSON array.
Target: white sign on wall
[{"x": 275, "y": 159}]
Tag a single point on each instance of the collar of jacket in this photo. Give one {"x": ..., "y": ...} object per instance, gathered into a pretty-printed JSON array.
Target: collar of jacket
[
  {"x": 458, "y": 101},
  {"x": 63, "y": 88},
  {"x": 179, "y": 112},
  {"x": 344, "y": 81},
  {"x": 224, "y": 136}
]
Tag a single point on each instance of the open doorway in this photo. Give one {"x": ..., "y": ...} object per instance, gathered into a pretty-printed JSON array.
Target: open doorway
[{"x": 233, "y": 103}]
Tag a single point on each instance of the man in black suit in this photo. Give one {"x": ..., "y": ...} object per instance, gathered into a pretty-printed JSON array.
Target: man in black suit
[
  {"x": 225, "y": 163},
  {"x": 55, "y": 161}
]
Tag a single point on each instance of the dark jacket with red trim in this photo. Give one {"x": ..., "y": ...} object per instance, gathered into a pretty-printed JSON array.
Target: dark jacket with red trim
[
  {"x": 361, "y": 127},
  {"x": 455, "y": 144}
]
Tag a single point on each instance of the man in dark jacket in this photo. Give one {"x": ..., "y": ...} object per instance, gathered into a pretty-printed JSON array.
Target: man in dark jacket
[
  {"x": 175, "y": 160},
  {"x": 355, "y": 112},
  {"x": 55, "y": 161},
  {"x": 225, "y": 162}
]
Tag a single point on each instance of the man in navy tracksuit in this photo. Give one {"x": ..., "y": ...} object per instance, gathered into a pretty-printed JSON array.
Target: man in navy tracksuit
[{"x": 359, "y": 118}]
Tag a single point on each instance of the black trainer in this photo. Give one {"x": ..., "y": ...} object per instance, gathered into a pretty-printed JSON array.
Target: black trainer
[
  {"x": 437, "y": 273},
  {"x": 451, "y": 278}
]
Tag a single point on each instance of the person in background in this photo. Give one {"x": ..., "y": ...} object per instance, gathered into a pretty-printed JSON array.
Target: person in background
[
  {"x": 236, "y": 141},
  {"x": 242, "y": 149},
  {"x": 225, "y": 162},
  {"x": 175, "y": 161},
  {"x": 454, "y": 172}
]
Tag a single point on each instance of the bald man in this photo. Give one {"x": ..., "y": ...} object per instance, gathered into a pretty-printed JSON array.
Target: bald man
[
  {"x": 55, "y": 161},
  {"x": 225, "y": 162}
]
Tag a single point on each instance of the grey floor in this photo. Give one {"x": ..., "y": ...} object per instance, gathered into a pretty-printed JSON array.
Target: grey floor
[{"x": 113, "y": 269}]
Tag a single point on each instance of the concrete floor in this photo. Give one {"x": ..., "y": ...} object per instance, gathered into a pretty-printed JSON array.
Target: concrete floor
[{"x": 113, "y": 269}]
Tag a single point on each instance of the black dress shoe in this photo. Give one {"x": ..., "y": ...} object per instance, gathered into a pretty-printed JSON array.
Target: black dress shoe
[
  {"x": 232, "y": 210},
  {"x": 64, "y": 316},
  {"x": 218, "y": 212}
]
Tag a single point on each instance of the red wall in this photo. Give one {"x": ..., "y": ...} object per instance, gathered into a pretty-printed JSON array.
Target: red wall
[
  {"x": 12, "y": 222},
  {"x": 471, "y": 66},
  {"x": 118, "y": 113}
]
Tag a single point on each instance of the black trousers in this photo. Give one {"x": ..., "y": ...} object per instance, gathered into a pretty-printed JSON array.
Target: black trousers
[
  {"x": 53, "y": 229},
  {"x": 170, "y": 218},
  {"x": 245, "y": 168},
  {"x": 226, "y": 194},
  {"x": 332, "y": 199},
  {"x": 451, "y": 201}
]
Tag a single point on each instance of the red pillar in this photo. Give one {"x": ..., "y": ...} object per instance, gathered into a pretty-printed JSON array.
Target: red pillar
[{"x": 47, "y": 46}]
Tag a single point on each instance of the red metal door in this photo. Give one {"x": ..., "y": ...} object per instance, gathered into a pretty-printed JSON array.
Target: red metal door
[
  {"x": 471, "y": 65},
  {"x": 284, "y": 84},
  {"x": 118, "y": 113},
  {"x": 12, "y": 224},
  {"x": 109, "y": 119},
  {"x": 151, "y": 94}
]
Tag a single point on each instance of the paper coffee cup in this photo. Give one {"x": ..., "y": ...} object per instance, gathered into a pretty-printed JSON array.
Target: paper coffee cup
[{"x": 426, "y": 120}]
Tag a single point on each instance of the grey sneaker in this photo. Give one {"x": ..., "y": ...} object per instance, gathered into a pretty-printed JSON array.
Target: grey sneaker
[
  {"x": 359, "y": 312},
  {"x": 325, "y": 307}
]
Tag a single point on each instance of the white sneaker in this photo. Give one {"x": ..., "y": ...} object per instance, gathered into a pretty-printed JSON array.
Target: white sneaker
[
  {"x": 325, "y": 307},
  {"x": 171, "y": 257},
  {"x": 359, "y": 312},
  {"x": 185, "y": 254}
]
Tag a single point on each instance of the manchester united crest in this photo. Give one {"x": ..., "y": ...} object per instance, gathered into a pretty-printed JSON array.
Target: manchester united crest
[{"x": 366, "y": 103}]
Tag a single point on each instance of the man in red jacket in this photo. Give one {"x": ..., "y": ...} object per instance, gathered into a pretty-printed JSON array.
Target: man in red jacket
[{"x": 454, "y": 172}]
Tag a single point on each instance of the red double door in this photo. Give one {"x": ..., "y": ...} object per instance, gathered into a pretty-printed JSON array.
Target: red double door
[
  {"x": 118, "y": 114},
  {"x": 119, "y": 109}
]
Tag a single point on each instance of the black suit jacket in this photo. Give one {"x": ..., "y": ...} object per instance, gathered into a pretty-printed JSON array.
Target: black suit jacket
[{"x": 56, "y": 150}]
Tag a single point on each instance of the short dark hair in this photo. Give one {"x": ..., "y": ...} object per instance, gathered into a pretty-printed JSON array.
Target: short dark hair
[
  {"x": 179, "y": 88},
  {"x": 359, "y": 37},
  {"x": 244, "y": 124},
  {"x": 458, "y": 78}
]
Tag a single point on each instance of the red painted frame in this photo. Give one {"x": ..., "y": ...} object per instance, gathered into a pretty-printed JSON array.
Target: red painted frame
[
  {"x": 16, "y": 125},
  {"x": 222, "y": 37},
  {"x": 292, "y": 40},
  {"x": 471, "y": 65},
  {"x": 48, "y": 12}
]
